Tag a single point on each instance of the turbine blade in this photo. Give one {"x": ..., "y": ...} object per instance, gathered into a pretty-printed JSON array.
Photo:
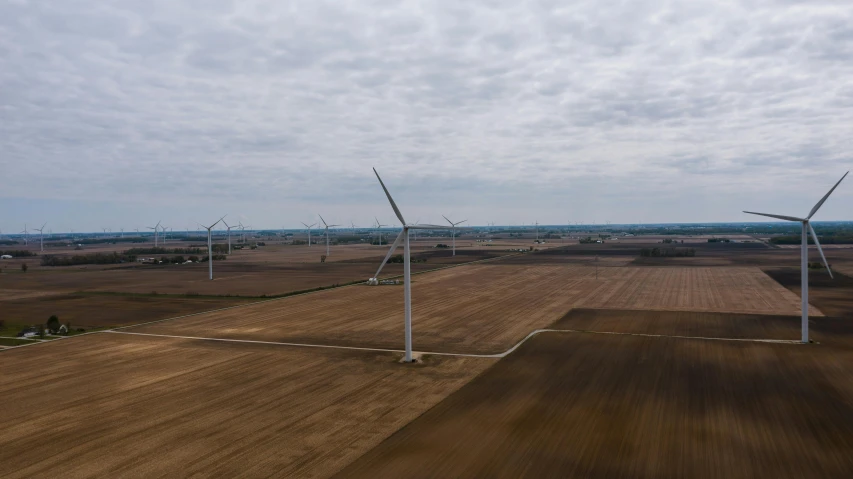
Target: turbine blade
[
  {"x": 390, "y": 252},
  {"x": 445, "y": 217},
  {"x": 780, "y": 217},
  {"x": 324, "y": 221},
  {"x": 391, "y": 200},
  {"x": 820, "y": 203},
  {"x": 820, "y": 250}
]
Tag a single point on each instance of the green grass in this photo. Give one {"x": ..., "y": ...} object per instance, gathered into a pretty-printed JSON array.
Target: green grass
[{"x": 14, "y": 341}]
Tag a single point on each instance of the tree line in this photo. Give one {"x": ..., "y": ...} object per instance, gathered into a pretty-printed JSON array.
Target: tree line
[{"x": 91, "y": 258}]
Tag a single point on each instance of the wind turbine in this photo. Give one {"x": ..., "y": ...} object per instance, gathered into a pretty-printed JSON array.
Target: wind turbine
[
  {"x": 327, "y": 233},
  {"x": 804, "y": 254},
  {"x": 308, "y": 227},
  {"x": 229, "y": 234},
  {"x": 155, "y": 228},
  {"x": 210, "y": 245},
  {"x": 41, "y": 235},
  {"x": 407, "y": 268},
  {"x": 453, "y": 231},
  {"x": 26, "y": 235},
  {"x": 379, "y": 229}
]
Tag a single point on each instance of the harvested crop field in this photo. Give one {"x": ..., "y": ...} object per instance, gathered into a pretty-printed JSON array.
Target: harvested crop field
[
  {"x": 590, "y": 405},
  {"x": 17, "y": 294},
  {"x": 111, "y": 405},
  {"x": 683, "y": 323},
  {"x": 834, "y": 296},
  {"x": 244, "y": 280},
  {"x": 90, "y": 311},
  {"x": 485, "y": 308}
]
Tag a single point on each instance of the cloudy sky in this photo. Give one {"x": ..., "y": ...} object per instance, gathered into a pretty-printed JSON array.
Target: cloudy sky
[{"x": 118, "y": 113}]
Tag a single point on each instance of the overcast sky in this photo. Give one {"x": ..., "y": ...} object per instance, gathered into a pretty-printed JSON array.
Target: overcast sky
[{"x": 121, "y": 113}]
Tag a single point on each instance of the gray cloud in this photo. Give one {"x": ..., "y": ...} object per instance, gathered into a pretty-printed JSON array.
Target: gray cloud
[{"x": 241, "y": 101}]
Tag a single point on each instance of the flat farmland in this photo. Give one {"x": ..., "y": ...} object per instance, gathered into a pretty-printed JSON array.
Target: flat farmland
[
  {"x": 278, "y": 253},
  {"x": 682, "y": 323},
  {"x": 111, "y": 405},
  {"x": 15, "y": 294},
  {"x": 97, "y": 311},
  {"x": 485, "y": 308},
  {"x": 733, "y": 290},
  {"x": 229, "y": 278},
  {"x": 589, "y": 405},
  {"x": 833, "y": 296}
]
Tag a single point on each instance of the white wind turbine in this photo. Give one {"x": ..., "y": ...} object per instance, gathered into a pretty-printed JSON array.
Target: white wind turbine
[
  {"x": 229, "y": 234},
  {"x": 308, "y": 227},
  {"x": 327, "y": 233},
  {"x": 26, "y": 235},
  {"x": 41, "y": 235},
  {"x": 210, "y": 245},
  {"x": 379, "y": 227},
  {"x": 804, "y": 254},
  {"x": 453, "y": 232},
  {"x": 155, "y": 228},
  {"x": 407, "y": 270}
]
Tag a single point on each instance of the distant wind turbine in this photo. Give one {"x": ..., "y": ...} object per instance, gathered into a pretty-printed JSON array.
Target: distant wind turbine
[
  {"x": 155, "y": 228},
  {"x": 229, "y": 234},
  {"x": 41, "y": 235},
  {"x": 407, "y": 268},
  {"x": 804, "y": 254},
  {"x": 379, "y": 227},
  {"x": 26, "y": 235},
  {"x": 210, "y": 245},
  {"x": 327, "y": 233},
  {"x": 308, "y": 227},
  {"x": 453, "y": 231}
]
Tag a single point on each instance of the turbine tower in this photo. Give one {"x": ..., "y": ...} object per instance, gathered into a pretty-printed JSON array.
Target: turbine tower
[
  {"x": 327, "y": 233},
  {"x": 210, "y": 245},
  {"x": 407, "y": 269},
  {"x": 308, "y": 227},
  {"x": 804, "y": 254},
  {"x": 41, "y": 236},
  {"x": 453, "y": 232}
]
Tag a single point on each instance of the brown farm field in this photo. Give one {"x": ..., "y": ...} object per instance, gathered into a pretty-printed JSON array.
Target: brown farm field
[
  {"x": 229, "y": 279},
  {"x": 486, "y": 308},
  {"x": 111, "y": 405},
  {"x": 592, "y": 405},
  {"x": 98, "y": 311},
  {"x": 628, "y": 392},
  {"x": 262, "y": 272}
]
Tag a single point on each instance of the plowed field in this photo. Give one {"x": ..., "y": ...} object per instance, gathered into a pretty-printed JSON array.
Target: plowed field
[
  {"x": 486, "y": 308},
  {"x": 590, "y": 405},
  {"x": 111, "y": 405}
]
